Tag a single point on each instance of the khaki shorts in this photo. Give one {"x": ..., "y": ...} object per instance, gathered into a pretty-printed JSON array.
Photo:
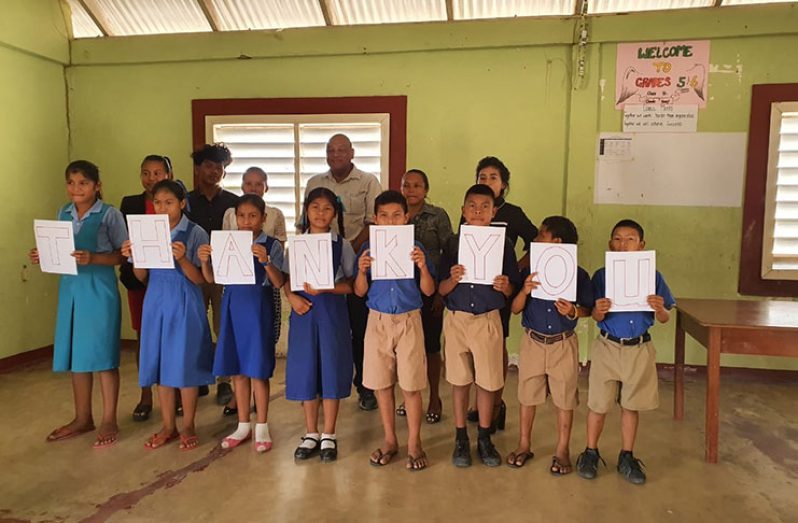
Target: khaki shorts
[
  {"x": 556, "y": 364},
  {"x": 394, "y": 351},
  {"x": 474, "y": 349},
  {"x": 633, "y": 368}
]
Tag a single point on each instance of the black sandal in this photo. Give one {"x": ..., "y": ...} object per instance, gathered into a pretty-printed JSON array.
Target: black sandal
[
  {"x": 435, "y": 417},
  {"x": 517, "y": 461},
  {"x": 142, "y": 412},
  {"x": 401, "y": 411},
  {"x": 303, "y": 453},
  {"x": 329, "y": 455}
]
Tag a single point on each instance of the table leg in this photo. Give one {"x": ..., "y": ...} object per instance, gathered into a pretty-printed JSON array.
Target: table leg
[
  {"x": 678, "y": 371},
  {"x": 713, "y": 396}
]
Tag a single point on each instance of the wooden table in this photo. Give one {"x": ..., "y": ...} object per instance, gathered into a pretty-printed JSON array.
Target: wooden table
[{"x": 768, "y": 328}]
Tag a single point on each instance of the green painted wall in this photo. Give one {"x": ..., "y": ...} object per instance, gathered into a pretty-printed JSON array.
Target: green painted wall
[{"x": 33, "y": 145}]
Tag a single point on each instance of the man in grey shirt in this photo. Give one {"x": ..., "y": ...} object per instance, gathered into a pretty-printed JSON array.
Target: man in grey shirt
[{"x": 357, "y": 190}]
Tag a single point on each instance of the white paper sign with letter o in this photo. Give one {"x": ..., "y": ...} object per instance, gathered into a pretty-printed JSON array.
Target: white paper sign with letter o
[{"x": 555, "y": 265}]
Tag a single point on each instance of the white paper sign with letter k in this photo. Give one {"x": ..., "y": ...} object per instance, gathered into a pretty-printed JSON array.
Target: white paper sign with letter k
[{"x": 391, "y": 247}]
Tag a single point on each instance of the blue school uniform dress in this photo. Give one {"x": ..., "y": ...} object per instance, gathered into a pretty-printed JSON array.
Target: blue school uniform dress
[
  {"x": 542, "y": 317},
  {"x": 176, "y": 346},
  {"x": 319, "y": 359},
  {"x": 88, "y": 321},
  {"x": 246, "y": 337}
]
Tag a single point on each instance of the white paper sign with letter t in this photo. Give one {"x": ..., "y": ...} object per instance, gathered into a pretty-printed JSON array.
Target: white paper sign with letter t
[
  {"x": 391, "y": 247},
  {"x": 481, "y": 252},
  {"x": 630, "y": 279},
  {"x": 232, "y": 257},
  {"x": 55, "y": 241},
  {"x": 555, "y": 265},
  {"x": 150, "y": 241},
  {"x": 310, "y": 260}
]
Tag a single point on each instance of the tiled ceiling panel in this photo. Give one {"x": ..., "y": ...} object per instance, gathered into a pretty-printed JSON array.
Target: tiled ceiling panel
[{"x": 242, "y": 15}]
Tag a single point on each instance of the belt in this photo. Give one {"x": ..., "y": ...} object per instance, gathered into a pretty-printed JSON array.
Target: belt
[
  {"x": 548, "y": 340},
  {"x": 627, "y": 341}
]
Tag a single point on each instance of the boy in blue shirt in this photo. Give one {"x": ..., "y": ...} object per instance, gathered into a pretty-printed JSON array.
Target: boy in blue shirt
[
  {"x": 473, "y": 332},
  {"x": 623, "y": 355},
  {"x": 394, "y": 341},
  {"x": 548, "y": 358}
]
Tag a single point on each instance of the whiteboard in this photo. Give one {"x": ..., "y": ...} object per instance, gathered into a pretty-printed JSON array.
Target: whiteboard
[{"x": 691, "y": 169}]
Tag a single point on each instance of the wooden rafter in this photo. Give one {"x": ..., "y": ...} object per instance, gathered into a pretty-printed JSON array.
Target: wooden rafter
[
  {"x": 450, "y": 10},
  {"x": 94, "y": 18},
  {"x": 579, "y": 6},
  {"x": 210, "y": 15},
  {"x": 325, "y": 12}
]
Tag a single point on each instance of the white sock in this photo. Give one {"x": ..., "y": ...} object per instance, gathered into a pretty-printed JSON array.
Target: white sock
[
  {"x": 242, "y": 431},
  {"x": 262, "y": 433},
  {"x": 327, "y": 444},
  {"x": 312, "y": 439}
]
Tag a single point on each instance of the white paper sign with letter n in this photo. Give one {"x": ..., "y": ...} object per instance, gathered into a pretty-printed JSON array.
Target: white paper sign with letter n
[
  {"x": 555, "y": 265},
  {"x": 630, "y": 279},
  {"x": 481, "y": 252},
  {"x": 310, "y": 261},
  {"x": 391, "y": 247},
  {"x": 55, "y": 241},
  {"x": 232, "y": 257},
  {"x": 150, "y": 241}
]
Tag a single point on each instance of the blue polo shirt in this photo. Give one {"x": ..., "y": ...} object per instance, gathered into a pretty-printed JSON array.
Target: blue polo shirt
[
  {"x": 630, "y": 324},
  {"x": 542, "y": 316},
  {"x": 472, "y": 297},
  {"x": 394, "y": 296}
]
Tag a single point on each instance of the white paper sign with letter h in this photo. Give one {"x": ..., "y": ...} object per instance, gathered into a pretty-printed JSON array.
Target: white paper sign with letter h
[
  {"x": 481, "y": 252},
  {"x": 630, "y": 279},
  {"x": 150, "y": 241},
  {"x": 555, "y": 265},
  {"x": 55, "y": 241},
  {"x": 310, "y": 260},
  {"x": 391, "y": 247},
  {"x": 232, "y": 257}
]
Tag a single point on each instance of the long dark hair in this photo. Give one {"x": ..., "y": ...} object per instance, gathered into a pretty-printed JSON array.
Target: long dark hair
[{"x": 323, "y": 192}]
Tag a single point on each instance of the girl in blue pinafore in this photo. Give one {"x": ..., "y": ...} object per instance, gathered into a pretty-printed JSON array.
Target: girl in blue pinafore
[
  {"x": 87, "y": 325},
  {"x": 319, "y": 362},
  {"x": 176, "y": 350},
  {"x": 245, "y": 348}
]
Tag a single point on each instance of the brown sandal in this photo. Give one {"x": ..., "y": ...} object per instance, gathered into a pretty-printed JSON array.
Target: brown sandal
[
  {"x": 414, "y": 464},
  {"x": 558, "y": 468},
  {"x": 380, "y": 459},
  {"x": 517, "y": 461}
]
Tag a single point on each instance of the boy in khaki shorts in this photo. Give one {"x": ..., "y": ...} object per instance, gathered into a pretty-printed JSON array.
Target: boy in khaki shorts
[
  {"x": 624, "y": 356},
  {"x": 549, "y": 353},
  {"x": 472, "y": 330},
  {"x": 394, "y": 341}
]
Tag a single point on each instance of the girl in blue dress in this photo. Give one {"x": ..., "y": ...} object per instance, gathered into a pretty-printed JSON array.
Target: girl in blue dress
[
  {"x": 88, "y": 321},
  {"x": 319, "y": 366},
  {"x": 176, "y": 348},
  {"x": 245, "y": 348}
]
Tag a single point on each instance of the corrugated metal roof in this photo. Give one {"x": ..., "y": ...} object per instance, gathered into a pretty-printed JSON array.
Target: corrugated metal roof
[
  {"x": 470, "y": 9},
  {"x": 355, "y": 12},
  {"x": 144, "y": 17},
  {"x": 625, "y": 6},
  {"x": 242, "y": 15},
  {"x": 749, "y": 2},
  {"x": 82, "y": 24}
]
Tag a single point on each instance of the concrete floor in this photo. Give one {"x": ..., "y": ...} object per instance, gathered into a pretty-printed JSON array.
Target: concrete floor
[{"x": 69, "y": 481}]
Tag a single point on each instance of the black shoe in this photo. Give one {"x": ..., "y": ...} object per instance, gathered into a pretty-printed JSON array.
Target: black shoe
[
  {"x": 204, "y": 390},
  {"x": 499, "y": 418},
  {"x": 461, "y": 457},
  {"x": 367, "y": 401},
  {"x": 303, "y": 453},
  {"x": 629, "y": 468},
  {"x": 142, "y": 412},
  {"x": 224, "y": 393},
  {"x": 487, "y": 453},
  {"x": 472, "y": 415},
  {"x": 587, "y": 463},
  {"x": 329, "y": 454},
  {"x": 178, "y": 409},
  {"x": 229, "y": 411}
]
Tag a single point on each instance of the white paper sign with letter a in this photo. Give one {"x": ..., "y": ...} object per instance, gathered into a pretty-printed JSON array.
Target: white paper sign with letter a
[
  {"x": 55, "y": 241},
  {"x": 391, "y": 247},
  {"x": 150, "y": 241},
  {"x": 630, "y": 279},
  {"x": 232, "y": 257},
  {"x": 555, "y": 265},
  {"x": 481, "y": 252},
  {"x": 310, "y": 260}
]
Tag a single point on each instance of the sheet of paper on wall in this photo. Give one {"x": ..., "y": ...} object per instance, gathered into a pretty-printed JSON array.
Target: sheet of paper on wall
[
  {"x": 555, "y": 265},
  {"x": 630, "y": 279},
  {"x": 55, "y": 241},
  {"x": 655, "y": 118},
  {"x": 232, "y": 258},
  {"x": 481, "y": 252},
  {"x": 150, "y": 241},
  {"x": 391, "y": 248},
  {"x": 615, "y": 148},
  {"x": 310, "y": 261}
]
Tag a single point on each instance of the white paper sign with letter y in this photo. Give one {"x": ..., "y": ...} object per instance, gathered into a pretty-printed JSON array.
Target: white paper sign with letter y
[{"x": 481, "y": 252}]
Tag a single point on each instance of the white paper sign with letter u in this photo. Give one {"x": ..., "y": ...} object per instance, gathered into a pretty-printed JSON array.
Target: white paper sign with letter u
[
  {"x": 232, "y": 257},
  {"x": 481, "y": 252},
  {"x": 391, "y": 247},
  {"x": 310, "y": 261},
  {"x": 630, "y": 279},
  {"x": 555, "y": 265},
  {"x": 55, "y": 241},
  {"x": 150, "y": 241}
]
